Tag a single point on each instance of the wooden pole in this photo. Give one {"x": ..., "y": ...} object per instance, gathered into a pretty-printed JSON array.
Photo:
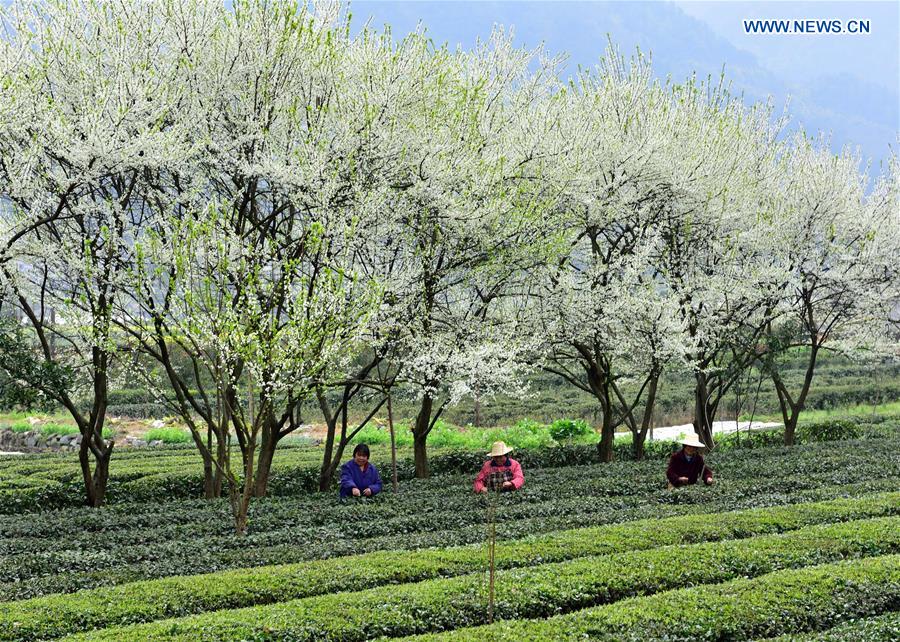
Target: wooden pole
[
  {"x": 393, "y": 443},
  {"x": 491, "y": 558}
]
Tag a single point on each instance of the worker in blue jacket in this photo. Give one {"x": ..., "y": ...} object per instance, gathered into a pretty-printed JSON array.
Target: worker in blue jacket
[{"x": 359, "y": 478}]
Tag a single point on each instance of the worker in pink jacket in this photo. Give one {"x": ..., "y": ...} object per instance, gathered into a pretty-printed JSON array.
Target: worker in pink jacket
[{"x": 500, "y": 472}]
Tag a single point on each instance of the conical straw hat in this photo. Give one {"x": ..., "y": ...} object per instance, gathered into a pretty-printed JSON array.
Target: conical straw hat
[{"x": 498, "y": 449}]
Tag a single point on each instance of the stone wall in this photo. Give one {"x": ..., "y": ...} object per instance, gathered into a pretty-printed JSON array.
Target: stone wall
[{"x": 34, "y": 441}]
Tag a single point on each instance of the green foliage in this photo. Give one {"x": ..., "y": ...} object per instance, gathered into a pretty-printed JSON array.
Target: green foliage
[
  {"x": 55, "y": 616},
  {"x": 134, "y": 402},
  {"x": 60, "y": 429},
  {"x": 829, "y": 430},
  {"x": 176, "y": 474},
  {"x": 446, "y": 436},
  {"x": 168, "y": 435},
  {"x": 27, "y": 381},
  {"x": 884, "y": 628},
  {"x": 756, "y": 439},
  {"x": 51, "y": 428},
  {"x": 781, "y": 602},
  {"x": 381, "y": 436},
  {"x": 58, "y": 551},
  {"x": 523, "y": 434},
  {"x": 569, "y": 429},
  {"x": 534, "y": 591}
]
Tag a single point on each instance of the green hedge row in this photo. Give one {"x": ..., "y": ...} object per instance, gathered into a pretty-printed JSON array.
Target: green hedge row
[
  {"x": 538, "y": 591},
  {"x": 64, "y": 570},
  {"x": 55, "y": 616},
  {"x": 70, "y": 550},
  {"x": 883, "y": 628},
  {"x": 56, "y": 478},
  {"x": 616, "y": 479},
  {"x": 449, "y": 503},
  {"x": 787, "y": 601}
]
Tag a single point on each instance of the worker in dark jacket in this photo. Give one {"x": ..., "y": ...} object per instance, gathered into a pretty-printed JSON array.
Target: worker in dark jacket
[
  {"x": 687, "y": 465},
  {"x": 359, "y": 478}
]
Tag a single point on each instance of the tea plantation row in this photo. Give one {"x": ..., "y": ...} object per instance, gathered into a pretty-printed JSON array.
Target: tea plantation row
[
  {"x": 549, "y": 589},
  {"x": 784, "y": 602},
  {"x": 68, "y": 550},
  {"x": 881, "y": 628},
  {"x": 54, "y": 616},
  {"x": 39, "y": 482}
]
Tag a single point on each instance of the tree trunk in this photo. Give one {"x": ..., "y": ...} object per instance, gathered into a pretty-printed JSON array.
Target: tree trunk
[
  {"x": 101, "y": 477},
  {"x": 420, "y": 454},
  {"x": 264, "y": 461},
  {"x": 702, "y": 416},
  {"x": 330, "y": 468},
  {"x": 209, "y": 477},
  {"x": 640, "y": 437},
  {"x": 241, "y": 500},
  {"x": 326, "y": 475},
  {"x": 234, "y": 497},
  {"x": 84, "y": 458},
  {"x": 420, "y": 436},
  {"x": 327, "y": 470},
  {"x": 599, "y": 384},
  {"x": 333, "y": 453},
  {"x": 607, "y": 439},
  {"x": 264, "y": 467},
  {"x": 639, "y": 434},
  {"x": 790, "y": 409},
  {"x": 790, "y": 428},
  {"x": 92, "y": 435},
  {"x": 96, "y": 480},
  {"x": 221, "y": 454},
  {"x": 209, "y": 466},
  {"x": 637, "y": 446}
]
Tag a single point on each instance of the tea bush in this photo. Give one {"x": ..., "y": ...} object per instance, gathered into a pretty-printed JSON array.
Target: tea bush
[
  {"x": 829, "y": 430},
  {"x": 60, "y": 551},
  {"x": 883, "y": 628},
  {"x": 569, "y": 429},
  {"x": 790, "y": 601},
  {"x": 548, "y": 589},
  {"x": 54, "y": 616}
]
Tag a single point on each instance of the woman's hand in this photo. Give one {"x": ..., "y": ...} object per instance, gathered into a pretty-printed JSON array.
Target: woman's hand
[
  {"x": 355, "y": 492},
  {"x": 367, "y": 492}
]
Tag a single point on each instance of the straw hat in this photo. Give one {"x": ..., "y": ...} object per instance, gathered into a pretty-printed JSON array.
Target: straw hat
[
  {"x": 693, "y": 440},
  {"x": 498, "y": 449}
]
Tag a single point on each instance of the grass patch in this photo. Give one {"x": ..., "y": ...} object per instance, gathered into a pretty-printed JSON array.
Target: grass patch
[
  {"x": 860, "y": 410},
  {"x": 525, "y": 433},
  {"x": 57, "y": 429},
  {"x": 20, "y": 426},
  {"x": 168, "y": 435},
  {"x": 49, "y": 429}
]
